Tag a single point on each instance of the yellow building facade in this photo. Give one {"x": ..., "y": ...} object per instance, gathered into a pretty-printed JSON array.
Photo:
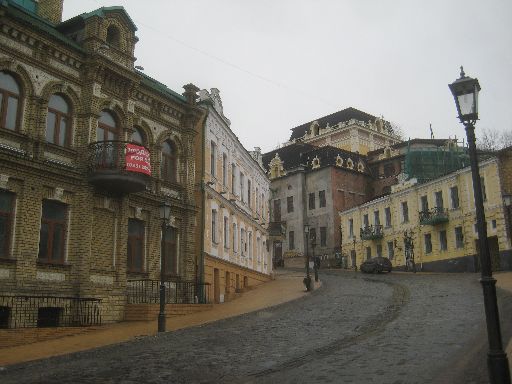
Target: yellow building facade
[{"x": 438, "y": 216}]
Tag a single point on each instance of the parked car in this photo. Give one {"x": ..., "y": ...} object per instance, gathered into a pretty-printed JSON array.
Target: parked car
[{"x": 376, "y": 265}]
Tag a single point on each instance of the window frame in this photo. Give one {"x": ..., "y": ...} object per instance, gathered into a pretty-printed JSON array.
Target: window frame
[
  {"x": 52, "y": 225},
  {"x": 5, "y": 253},
  {"x": 59, "y": 115},
  {"x": 459, "y": 237},
  {"x": 311, "y": 204},
  {"x": 291, "y": 240},
  {"x": 169, "y": 163},
  {"x": 4, "y": 104},
  {"x": 443, "y": 240},
  {"x": 321, "y": 199},
  {"x": 135, "y": 242},
  {"x": 289, "y": 204},
  {"x": 323, "y": 236},
  {"x": 454, "y": 197}
]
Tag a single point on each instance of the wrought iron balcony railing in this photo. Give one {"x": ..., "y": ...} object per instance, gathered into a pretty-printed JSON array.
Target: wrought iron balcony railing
[
  {"x": 433, "y": 216},
  {"x": 30, "y": 311},
  {"x": 371, "y": 232},
  {"x": 119, "y": 166},
  {"x": 147, "y": 291},
  {"x": 277, "y": 228}
]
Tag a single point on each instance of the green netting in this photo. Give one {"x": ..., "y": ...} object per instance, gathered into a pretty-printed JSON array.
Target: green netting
[{"x": 431, "y": 163}]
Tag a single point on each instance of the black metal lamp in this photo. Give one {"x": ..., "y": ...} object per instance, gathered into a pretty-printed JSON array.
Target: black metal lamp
[
  {"x": 164, "y": 213},
  {"x": 307, "y": 279},
  {"x": 465, "y": 92}
]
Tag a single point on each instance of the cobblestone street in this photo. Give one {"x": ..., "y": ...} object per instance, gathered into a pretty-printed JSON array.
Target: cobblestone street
[{"x": 391, "y": 328}]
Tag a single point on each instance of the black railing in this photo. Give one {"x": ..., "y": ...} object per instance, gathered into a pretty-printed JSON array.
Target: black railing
[
  {"x": 371, "y": 232},
  {"x": 277, "y": 228},
  {"x": 433, "y": 216},
  {"x": 176, "y": 292},
  {"x": 24, "y": 311},
  {"x": 112, "y": 155}
]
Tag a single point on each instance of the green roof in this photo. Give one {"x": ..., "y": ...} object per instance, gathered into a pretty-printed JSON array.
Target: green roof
[
  {"x": 101, "y": 12},
  {"x": 19, "y": 12},
  {"x": 159, "y": 87}
]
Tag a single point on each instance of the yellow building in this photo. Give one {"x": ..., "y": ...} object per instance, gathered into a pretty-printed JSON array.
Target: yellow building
[{"x": 439, "y": 217}]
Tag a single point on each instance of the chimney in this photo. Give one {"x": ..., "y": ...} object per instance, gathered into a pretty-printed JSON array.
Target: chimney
[{"x": 50, "y": 10}]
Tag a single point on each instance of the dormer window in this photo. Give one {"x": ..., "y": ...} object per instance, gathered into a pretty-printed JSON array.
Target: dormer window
[{"x": 113, "y": 36}]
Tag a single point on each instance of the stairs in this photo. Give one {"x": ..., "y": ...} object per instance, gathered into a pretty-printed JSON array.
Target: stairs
[{"x": 148, "y": 312}]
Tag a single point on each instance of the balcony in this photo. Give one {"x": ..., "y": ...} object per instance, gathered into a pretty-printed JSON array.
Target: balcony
[
  {"x": 433, "y": 216},
  {"x": 372, "y": 232},
  {"x": 118, "y": 167},
  {"x": 277, "y": 229}
]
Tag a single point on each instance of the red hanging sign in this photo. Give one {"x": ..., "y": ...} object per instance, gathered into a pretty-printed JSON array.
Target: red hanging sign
[{"x": 137, "y": 159}]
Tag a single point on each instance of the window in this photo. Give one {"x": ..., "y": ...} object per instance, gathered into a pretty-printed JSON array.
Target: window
[
  {"x": 224, "y": 169},
  {"x": 405, "y": 212},
  {"x": 484, "y": 193},
  {"x": 213, "y": 158},
  {"x": 6, "y": 222},
  {"x": 323, "y": 236},
  {"x": 387, "y": 214},
  {"x": 243, "y": 244},
  {"x": 368, "y": 253},
  {"x": 58, "y": 121},
  {"x": 424, "y": 203},
  {"x": 113, "y": 36},
  {"x": 171, "y": 251},
  {"x": 135, "y": 253},
  {"x": 389, "y": 170},
  {"x": 233, "y": 178},
  {"x": 428, "y": 243},
  {"x": 9, "y": 101},
  {"x": 443, "y": 243},
  {"x": 291, "y": 240},
  {"x": 235, "y": 244},
  {"x": 439, "y": 200},
  {"x": 459, "y": 238},
  {"x": 138, "y": 136},
  {"x": 249, "y": 244},
  {"x": 277, "y": 210},
  {"x": 289, "y": 204},
  {"x": 366, "y": 221},
  {"x": 249, "y": 192},
  {"x": 226, "y": 232},
  {"x": 379, "y": 250},
  {"x": 311, "y": 201},
  {"x": 5, "y": 314},
  {"x": 214, "y": 226},
  {"x": 107, "y": 127},
  {"x": 321, "y": 198},
  {"x": 391, "y": 250},
  {"x": 312, "y": 235},
  {"x": 169, "y": 164},
  {"x": 52, "y": 235},
  {"x": 493, "y": 224},
  {"x": 351, "y": 228},
  {"x": 242, "y": 183},
  {"x": 454, "y": 195},
  {"x": 376, "y": 217}
]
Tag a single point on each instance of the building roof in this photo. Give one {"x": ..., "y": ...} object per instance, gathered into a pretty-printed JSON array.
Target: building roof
[
  {"x": 100, "y": 12},
  {"x": 290, "y": 155},
  {"x": 333, "y": 119},
  {"x": 159, "y": 87}
]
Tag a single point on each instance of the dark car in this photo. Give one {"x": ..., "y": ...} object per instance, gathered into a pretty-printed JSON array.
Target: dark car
[{"x": 376, "y": 265}]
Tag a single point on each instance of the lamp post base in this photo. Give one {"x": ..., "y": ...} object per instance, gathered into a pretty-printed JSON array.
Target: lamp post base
[{"x": 161, "y": 322}]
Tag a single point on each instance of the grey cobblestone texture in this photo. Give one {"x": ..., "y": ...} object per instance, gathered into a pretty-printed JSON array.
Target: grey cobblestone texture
[{"x": 395, "y": 328}]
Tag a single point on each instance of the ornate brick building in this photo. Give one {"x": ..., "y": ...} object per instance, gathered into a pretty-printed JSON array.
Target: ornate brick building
[{"x": 89, "y": 149}]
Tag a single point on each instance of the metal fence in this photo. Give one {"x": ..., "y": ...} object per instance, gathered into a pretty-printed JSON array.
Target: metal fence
[
  {"x": 176, "y": 292},
  {"x": 25, "y": 311}
]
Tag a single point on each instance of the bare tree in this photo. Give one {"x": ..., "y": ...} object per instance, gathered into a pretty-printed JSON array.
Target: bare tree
[{"x": 493, "y": 140}]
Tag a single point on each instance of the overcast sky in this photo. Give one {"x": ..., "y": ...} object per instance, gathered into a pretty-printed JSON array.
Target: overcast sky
[{"x": 281, "y": 63}]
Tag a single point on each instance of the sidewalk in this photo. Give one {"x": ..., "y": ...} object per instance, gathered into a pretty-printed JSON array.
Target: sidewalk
[{"x": 287, "y": 286}]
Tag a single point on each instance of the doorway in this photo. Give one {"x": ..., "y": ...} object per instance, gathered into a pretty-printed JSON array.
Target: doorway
[{"x": 216, "y": 286}]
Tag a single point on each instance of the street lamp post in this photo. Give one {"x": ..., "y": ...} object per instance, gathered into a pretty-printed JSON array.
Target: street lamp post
[
  {"x": 307, "y": 279},
  {"x": 315, "y": 263},
  {"x": 465, "y": 92},
  {"x": 164, "y": 213}
]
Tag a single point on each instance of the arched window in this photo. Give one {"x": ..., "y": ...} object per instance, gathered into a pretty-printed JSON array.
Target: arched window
[
  {"x": 169, "y": 166},
  {"x": 58, "y": 121},
  {"x": 9, "y": 101},
  {"x": 113, "y": 36},
  {"x": 138, "y": 136},
  {"x": 107, "y": 127}
]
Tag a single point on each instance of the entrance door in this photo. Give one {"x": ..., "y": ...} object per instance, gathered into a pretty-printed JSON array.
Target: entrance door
[
  {"x": 278, "y": 254},
  {"x": 227, "y": 283},
  {"x": 353, "y": 258},
  {"x": 216, "y": 286}
]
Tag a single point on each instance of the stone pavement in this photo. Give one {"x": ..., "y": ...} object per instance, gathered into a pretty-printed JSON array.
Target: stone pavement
[{"x": 285, "y": 287}]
